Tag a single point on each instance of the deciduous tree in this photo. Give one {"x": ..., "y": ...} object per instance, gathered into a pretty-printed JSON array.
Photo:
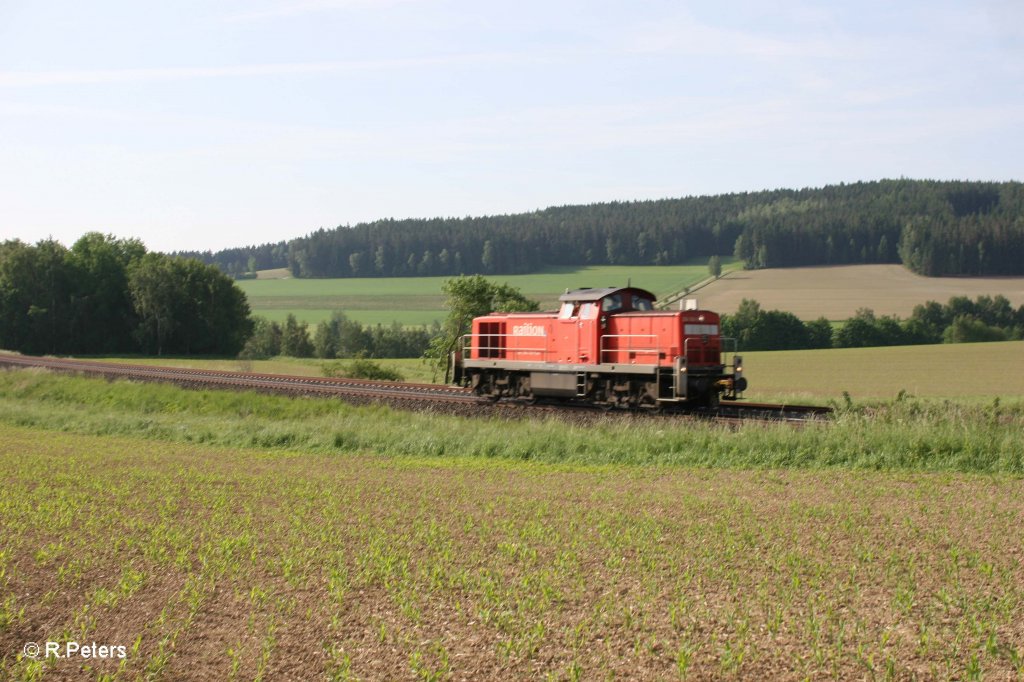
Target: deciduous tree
[{"x": 466, "y": 298}]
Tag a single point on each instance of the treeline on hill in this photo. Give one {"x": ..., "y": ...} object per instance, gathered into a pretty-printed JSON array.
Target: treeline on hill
[
  {"x": 107, "y": 295},
  {"x": 934, "y": 228},
  {"x": 243, "y": 262},
  {"x": 339, "y": 337},
  {"x": 961, "y": 320}
]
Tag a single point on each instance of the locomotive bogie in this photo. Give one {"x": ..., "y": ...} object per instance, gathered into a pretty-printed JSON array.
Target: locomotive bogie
[{"x": 613, "y": 388}]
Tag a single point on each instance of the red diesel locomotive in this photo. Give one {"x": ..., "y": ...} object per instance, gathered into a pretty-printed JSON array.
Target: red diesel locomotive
[{"x": 603, "y": 346}]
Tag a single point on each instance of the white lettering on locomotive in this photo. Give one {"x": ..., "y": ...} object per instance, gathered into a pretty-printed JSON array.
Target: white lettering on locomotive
[{"x": 529, "y": 330}]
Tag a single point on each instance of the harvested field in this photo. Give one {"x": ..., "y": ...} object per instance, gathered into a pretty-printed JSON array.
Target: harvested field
[
  {"x": 957, "y": 371},
  {"x": 214, "y": 563},
  {"x": 837, "y": 292},
  {"x": 276, "y": 273}
]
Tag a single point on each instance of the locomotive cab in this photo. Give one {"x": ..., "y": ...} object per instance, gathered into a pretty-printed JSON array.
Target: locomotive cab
[{"x": 584, "y": 318}]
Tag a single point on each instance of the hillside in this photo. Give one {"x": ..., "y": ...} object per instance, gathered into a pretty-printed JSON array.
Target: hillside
[
  {"x": 934, "y": 228},
  {"x": 837, "y": 292}
]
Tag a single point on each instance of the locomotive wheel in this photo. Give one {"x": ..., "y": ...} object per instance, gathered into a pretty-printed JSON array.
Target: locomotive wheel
[{"x": 649, "y": 395}]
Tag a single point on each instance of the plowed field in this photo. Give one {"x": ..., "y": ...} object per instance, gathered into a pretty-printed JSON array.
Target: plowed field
[{"x": 837, "y": 292}]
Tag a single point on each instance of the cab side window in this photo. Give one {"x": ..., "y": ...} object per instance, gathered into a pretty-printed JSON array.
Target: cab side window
[
  {"x": 642, "y": 303},
  {"x": 612, "y": 303}
]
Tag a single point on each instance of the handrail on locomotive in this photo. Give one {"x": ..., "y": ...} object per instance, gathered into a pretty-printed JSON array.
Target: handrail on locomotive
[{"x": 466, "y": 348}]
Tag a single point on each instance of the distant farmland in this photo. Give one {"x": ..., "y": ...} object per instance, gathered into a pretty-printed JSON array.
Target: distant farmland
[
  {"x": 961, "y": 370},
  {"x": 833, "y": 292},
  {"x": 418, "y": 300},
  {"x": 837, "y": 292}
]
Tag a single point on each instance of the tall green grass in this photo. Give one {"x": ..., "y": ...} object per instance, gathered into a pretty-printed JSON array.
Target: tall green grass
[{"x": 903, "y": 435}]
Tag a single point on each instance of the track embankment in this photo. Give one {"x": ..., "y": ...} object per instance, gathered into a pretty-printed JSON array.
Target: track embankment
[{"x": 397, "y": 394}]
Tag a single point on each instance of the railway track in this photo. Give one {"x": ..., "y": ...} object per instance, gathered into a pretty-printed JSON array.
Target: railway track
[
  {"x": 361, "y": 391},
  {"x": 268, "y": 383},
  {"x": 771, "y": 412}
]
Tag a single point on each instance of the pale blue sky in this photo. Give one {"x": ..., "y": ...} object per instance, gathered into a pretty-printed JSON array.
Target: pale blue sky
[{"x": 202, "y": 125}]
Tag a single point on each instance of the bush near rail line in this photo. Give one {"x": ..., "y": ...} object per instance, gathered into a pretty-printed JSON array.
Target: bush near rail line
[{"x": 361, "y": 368}]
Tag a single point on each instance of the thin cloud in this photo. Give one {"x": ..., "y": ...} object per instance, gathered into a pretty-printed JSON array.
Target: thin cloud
[
  {"x": 14, "y": 79},
  {"x": 689, "y": 36},
  {"x": 293, "y": 9}
]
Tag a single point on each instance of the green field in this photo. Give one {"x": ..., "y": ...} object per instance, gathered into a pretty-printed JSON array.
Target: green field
[
  {"x": 417, "y": 301},
  {"x": 385, "y": 317},
  {"x": 236, "y": 536}
]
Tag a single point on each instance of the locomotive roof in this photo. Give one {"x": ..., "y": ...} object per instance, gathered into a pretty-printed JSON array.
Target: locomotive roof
[{"x": 588, "y": 294}]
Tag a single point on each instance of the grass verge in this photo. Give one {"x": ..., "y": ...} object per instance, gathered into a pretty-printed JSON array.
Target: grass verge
[{"x": 909, "y": 435}]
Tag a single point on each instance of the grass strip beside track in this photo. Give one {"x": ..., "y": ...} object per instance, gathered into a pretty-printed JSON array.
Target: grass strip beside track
[{"x": 910, "y": 435}]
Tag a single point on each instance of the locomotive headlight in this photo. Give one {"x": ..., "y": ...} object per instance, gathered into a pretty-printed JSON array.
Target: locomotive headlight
[{"x": 738, "y": 364}]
